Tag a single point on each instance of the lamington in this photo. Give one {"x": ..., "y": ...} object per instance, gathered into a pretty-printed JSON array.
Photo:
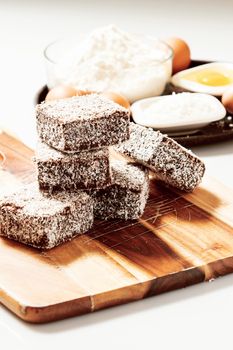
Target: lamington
[
  {"x": 44, "y": 221},
  {"x": 82, "y": 123},
  {"x": 169, "y": 161},
  {"x": 59, "y": 171},
  {"x": 126, "y": 197}
]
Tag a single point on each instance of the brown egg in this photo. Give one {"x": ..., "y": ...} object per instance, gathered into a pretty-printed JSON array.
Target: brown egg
[
  {"x": 181, "y": 52},
  {"x": 227, "y": 100},
  {"x": 59, "y": 92},
  {"x": 84, "y": 92},
  {"x": 121, "y": 100},
  {"x": 2, "y": 158}
]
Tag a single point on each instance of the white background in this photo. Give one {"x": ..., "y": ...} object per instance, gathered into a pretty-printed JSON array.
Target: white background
[{"x": 195, "y": 318}]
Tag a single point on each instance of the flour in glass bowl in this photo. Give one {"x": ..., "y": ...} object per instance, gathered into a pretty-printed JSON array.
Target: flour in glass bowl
[{"x": 136, "y": 66}]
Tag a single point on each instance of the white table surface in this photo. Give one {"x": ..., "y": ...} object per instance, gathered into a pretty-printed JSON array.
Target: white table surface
[{"x": 197, "y": 317}]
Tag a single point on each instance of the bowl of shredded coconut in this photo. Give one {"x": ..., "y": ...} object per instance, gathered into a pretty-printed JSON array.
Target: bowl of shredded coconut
[{"x": 136, "y": 66}]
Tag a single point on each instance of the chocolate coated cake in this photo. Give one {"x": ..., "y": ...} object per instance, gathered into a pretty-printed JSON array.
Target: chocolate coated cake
[
  {"x": 170, "y": 162},
  {"x": 57, "y": 170},
  {"x": 126, "y": 197},
  {"x": 82, "y": 123},
  {"x": 44, "y": 221}
]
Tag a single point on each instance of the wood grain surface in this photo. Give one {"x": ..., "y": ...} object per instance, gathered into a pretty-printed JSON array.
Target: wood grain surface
[{"x": 182, "y": 239}]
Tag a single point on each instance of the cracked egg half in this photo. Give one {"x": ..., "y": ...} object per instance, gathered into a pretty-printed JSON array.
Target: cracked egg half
[{"x": 212, "y": 78}]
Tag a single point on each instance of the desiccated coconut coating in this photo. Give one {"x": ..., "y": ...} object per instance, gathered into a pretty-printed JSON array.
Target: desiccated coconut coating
[
  {"x": 170, "y": 162},
  {"x": 37, "y": 219},
  {"x": 58, "y": 171},
  {"x": 126, "y": 197},
  {"x": 82, "y": 122}
]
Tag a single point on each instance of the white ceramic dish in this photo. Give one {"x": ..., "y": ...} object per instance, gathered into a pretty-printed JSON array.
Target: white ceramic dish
[{"x": 142, "y": 114}]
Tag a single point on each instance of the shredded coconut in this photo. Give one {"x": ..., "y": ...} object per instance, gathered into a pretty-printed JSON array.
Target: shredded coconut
[
  {"x": 170, "y": 162},
  {"x": 183, "y": 108}
]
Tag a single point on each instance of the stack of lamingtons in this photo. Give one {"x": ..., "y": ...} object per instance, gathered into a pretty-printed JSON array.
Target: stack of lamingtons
[{"x": 77, "y": 181}]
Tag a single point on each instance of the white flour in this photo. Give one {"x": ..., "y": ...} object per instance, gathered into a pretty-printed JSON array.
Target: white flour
[{"x": 111, "y": 59}]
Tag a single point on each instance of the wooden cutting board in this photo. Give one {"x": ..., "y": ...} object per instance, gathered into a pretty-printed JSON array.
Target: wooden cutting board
[{"x": 182, "y": 239}]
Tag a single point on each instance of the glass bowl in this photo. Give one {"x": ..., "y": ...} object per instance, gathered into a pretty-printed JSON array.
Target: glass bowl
[{"x": 151, "y": 80}]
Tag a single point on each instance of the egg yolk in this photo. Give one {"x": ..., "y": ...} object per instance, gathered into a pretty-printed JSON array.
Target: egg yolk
[{"x": 211, "y": 77}]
